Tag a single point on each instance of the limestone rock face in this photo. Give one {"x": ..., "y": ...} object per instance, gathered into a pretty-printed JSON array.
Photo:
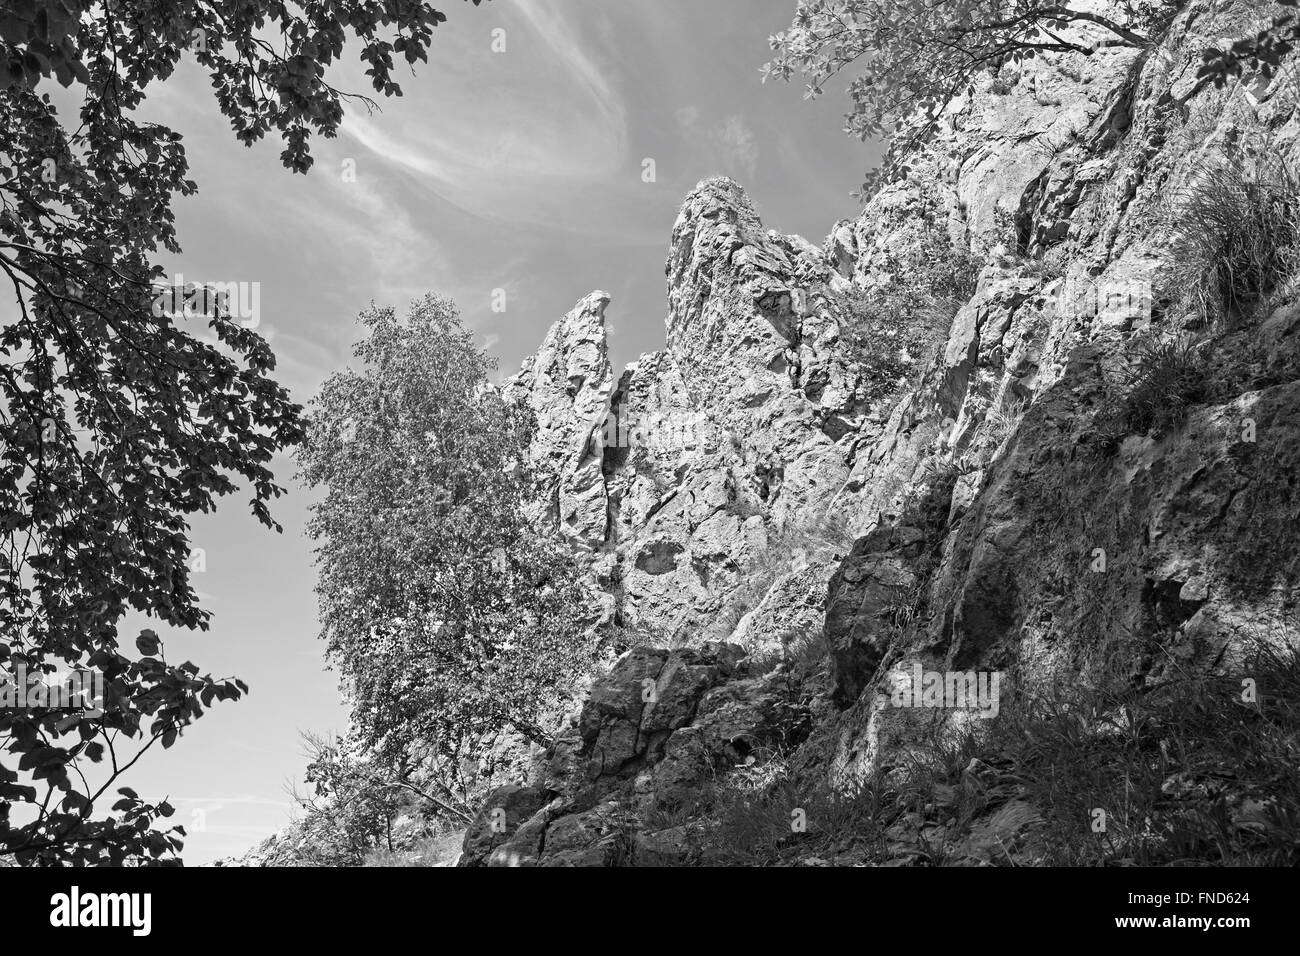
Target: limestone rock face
[
  {"x": 689, "y": 471},
  {"x": 868, "y": 602},
  {"x": 998, "y": 527},
  {"x": 567, "y": 384},
  {"x": 657, "y": 725},
  {"x": 1056, "y": 560}
]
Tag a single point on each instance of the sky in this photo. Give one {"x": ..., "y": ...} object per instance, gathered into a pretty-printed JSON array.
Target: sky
[{"x": 513, "y": 162}]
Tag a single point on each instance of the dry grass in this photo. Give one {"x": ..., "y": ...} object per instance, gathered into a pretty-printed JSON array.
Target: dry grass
[
  {"x": 1169, "y": 377},
  {"x": 1161, "y": 383},
  {"x": 1002, "y": 420},
  {"x": 1238, "y": 242},
  {"x": 814, "y": 540},
  {"x": 434, "y": 851}
]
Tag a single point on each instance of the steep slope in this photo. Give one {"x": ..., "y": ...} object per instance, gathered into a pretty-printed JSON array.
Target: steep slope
[{"x": 1093, "y": 482}]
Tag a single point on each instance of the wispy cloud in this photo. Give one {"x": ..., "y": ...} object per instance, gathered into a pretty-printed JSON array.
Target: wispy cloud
[
  {"x": 736, "y": 141},
  {"x": 728, "y": 146},
  {"x": 545, "y": 17},
  {"x": 549, "y": 145},
  {"x": 376, "y": 238}
]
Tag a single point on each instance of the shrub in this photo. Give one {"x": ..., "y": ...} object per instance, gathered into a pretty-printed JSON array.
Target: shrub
[
  {"x": 807, "y": 652},
  {"x": 893, "y": 331},
  {"x": 347, "y": 813},
  {"x": 432, "y": 851},
  {"x": 802, "y": 652},
  {"x": 1186, "y": 770},
  {"x": 1153, "y": 17},
  {"x": 1001, "y": 86},
  {"x": 762, "y": 818},
  {"x": 913, "y": 56}
]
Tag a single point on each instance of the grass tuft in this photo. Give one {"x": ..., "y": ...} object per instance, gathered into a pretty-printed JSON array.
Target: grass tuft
[
  {"x": 1238, "y": 243},
  {"x": 1161, "y": 383}
]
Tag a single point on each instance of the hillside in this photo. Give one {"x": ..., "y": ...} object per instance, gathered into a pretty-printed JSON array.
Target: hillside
[{"x": 1080, "y": 492}]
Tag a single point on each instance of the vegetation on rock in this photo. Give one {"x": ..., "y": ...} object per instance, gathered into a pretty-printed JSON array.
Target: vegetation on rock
[
  {"x": 915, "y": 56},
  {"x": 1199, "y": 770},
  {"x": 894, "y": 330}
]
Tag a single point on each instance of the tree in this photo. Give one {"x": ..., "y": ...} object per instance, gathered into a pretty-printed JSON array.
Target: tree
[
  {"x": 450, "y": 616},
  {"x": 916, "y": 55},
  {"x": 350, "y": 810},
  {"x": 360, "y": 802},
  {"x": 122, "y": 413}
]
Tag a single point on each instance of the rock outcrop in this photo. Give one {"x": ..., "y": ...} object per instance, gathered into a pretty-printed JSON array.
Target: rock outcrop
[
  {"x": 648, "y": 734},
  {"x": 687, "y": 474},
  {"x": 567, "y": 384},
  {"x": 744, "y": 491}
]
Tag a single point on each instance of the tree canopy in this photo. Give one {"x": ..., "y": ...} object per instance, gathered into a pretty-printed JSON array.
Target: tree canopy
[
  {"x": 118, "y": 418},
  {"x": 451, "y": 615}
]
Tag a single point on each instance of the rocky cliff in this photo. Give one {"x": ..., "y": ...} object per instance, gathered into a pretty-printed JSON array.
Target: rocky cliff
[
  {"x": 782, "y": 543},
  {"x": 681, "y": 474}
]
